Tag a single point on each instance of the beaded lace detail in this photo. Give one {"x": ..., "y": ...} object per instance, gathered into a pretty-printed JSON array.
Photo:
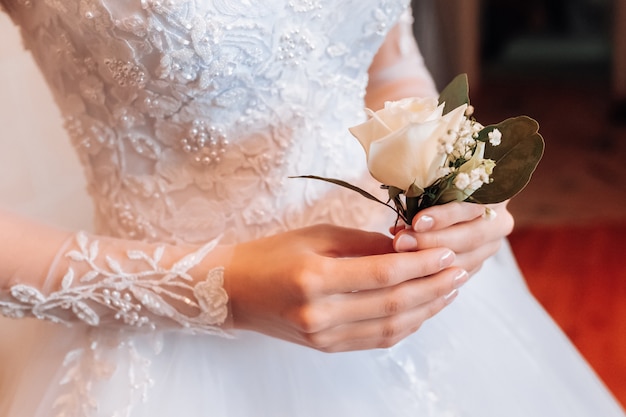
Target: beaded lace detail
[
  {"x": 179, "y": 108},
  {"x": 136, "y": 291},
  {"x": 189, "y": 117}
]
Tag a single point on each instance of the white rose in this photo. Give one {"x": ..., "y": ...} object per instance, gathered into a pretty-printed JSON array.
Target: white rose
[{"x": 402, "y": 141}]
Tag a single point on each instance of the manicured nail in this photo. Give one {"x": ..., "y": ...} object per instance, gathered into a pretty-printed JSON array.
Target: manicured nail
[
  {"x": 406, "y": 243},
  {"x": 447, "y": 259},
  {"x": 461, "y": 278},
  {"x": 451, "y": 296},
  {"x": 423, "y": 224}
]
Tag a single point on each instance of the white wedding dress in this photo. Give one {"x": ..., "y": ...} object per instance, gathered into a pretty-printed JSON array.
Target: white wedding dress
[{"x": 188, "y": 117}]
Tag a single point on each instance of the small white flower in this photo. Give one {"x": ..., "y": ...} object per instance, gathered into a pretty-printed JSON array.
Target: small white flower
[
  {"x": 462, "y": 181},
  {"x": 495, "y": 137},
  {"x": 444, "y": 171},
  {"x": 489, "y": 214},
  {"x": 474, "y": 185},
  {"x": 476, "y": 127},
  {"x": 465, "y": 141}
]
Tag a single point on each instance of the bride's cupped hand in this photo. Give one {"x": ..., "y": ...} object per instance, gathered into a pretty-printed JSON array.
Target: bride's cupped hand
[
  {"x": 462, "y": 227},
  {"x": 337, "y": 289}
]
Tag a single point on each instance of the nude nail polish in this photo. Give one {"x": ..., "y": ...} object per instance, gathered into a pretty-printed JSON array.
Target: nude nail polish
[
  {"x": 451, "y": 296},
  {"x": 406, "y": 243},
  {"x": 423, "y": 224},
  {"x": 447, "y": 259},
  {"x": 460, "y": 279}
]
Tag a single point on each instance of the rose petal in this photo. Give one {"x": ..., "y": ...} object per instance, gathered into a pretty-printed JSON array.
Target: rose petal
[
  {"x": 455, "y": 117},
  {"x": 398, "y": 159},
  {"x": 427, "y": 157},
  {"x": 368, "y": 132}
]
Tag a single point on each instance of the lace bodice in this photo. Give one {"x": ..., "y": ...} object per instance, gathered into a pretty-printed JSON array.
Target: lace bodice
[{"x": 190, "y": 115}]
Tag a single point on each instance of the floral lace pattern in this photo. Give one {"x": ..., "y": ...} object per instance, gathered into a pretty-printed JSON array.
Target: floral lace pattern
[
  {"x": 188, "y": 117},
  {"x": 136, "y": 291},
  {"x": 86, "y": 366},
  {"x": 179, "y": 108}
]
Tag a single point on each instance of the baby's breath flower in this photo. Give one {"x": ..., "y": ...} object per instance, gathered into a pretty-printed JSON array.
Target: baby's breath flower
[
  {"x": 495, "y": 137},
  {"x": 476, "y": 127},
  {"x": 444, "y": 171},
  {"x": 475, "y": 178},
  {"x": 445, "y": 147},
  {"x": 462, "y": 181},
  {"x": 490, "y": 213}
]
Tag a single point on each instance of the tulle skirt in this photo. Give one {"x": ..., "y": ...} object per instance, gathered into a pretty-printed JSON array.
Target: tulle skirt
[{"x": 492, "y": 352}]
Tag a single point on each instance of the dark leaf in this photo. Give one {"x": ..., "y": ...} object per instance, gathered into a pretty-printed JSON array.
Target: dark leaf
[
  {"x": 345, "y": 185},
  {"x": 516, "y": 158},
  {"x": 455, "y": 94},
  {"x": 414, "y": 191},
  {"x": 394, "y": 192}
]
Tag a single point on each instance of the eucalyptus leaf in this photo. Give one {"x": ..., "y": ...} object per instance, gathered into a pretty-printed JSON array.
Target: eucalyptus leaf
[
  {"x": 455, "y": 94},
  {"x": 516, "y": 158},
  {"x": 345, "y": 185}
]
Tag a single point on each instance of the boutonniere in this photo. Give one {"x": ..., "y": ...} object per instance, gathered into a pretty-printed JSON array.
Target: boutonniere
[{"x": 427, "y": 151}]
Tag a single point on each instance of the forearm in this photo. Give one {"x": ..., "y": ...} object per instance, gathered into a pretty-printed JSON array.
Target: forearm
[
  {"x": 60, "y": 276},
  {"x": 398, "y": 69}
]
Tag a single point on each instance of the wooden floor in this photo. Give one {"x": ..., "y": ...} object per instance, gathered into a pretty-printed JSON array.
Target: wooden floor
[{"x": 578, "y": 274}]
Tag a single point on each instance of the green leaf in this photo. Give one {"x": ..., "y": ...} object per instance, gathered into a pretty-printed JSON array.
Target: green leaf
[
  {"x": 455, "y": 94},
  {"x": 516, "y": 158},
  {"x": 345, "y": 185},
  {"x": 414, "y": 191},
  {"x": 394, "y": 192}
]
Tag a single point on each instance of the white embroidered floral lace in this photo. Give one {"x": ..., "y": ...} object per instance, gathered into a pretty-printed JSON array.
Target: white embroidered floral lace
[
  {"x": 179, "y": 108},
  {"x": 189, "y": 117},
  {"x": 136, "y": 291}
]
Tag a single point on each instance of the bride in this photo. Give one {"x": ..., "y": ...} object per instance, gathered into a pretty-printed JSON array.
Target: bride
[{"x": 214, "y": 285}]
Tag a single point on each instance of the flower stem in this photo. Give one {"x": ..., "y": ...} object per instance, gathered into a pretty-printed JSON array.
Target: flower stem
[{"x": 412, "y": 208}]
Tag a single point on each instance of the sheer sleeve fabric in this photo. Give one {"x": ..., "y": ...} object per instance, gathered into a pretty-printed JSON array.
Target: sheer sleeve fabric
[
  {"x": 398, "y": 69},
  {"x": 104, "y": 281}
]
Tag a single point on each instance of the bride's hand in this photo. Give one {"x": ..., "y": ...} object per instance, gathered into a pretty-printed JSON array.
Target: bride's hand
[
  {"x": 337, "y": 289},
  {"x": 461, "y": 227}
]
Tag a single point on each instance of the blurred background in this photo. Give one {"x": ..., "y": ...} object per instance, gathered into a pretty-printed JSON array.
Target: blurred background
[{"x": 562, "y": 62}]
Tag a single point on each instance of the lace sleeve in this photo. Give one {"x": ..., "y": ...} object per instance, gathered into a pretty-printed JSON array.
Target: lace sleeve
[
  {"x": 111, "y": 282},
  {"x": 398, "y": 69}
]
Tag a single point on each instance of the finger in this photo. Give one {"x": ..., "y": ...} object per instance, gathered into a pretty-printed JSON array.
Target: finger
[
  {"x": 442, "y": 216},
  {"x": 380, "y": 271},
  {"x": 377, "y": 333},
  {"x": 400, "y": 225},
  {"x": 461, "y": 237},
  {"x": 473, "y": 261},
  {"x": 364, "y": 305}
]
